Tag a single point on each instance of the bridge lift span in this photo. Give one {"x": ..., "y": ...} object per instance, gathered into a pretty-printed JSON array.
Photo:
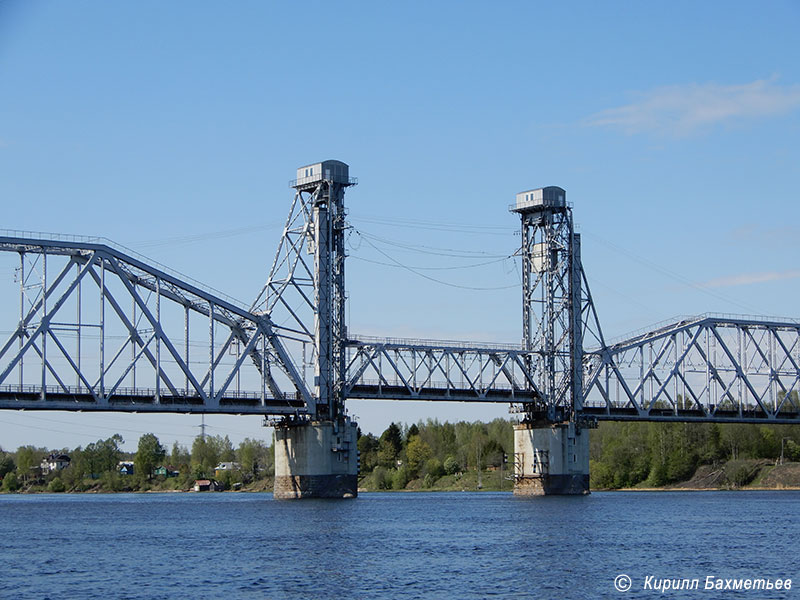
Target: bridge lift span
[{"x": 102, "y": 329}]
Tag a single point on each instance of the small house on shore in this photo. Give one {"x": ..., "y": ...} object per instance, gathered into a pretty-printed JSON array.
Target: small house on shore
[
  {"x": 226, "y": 466},
  {"x": 54, "y": 462},
  {"x": 166, "y": 471},
  {"x": 207, "y": 485}
]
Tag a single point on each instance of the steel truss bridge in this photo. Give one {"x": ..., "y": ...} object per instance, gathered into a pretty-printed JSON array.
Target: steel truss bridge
[{"x": 100, "y": 328}]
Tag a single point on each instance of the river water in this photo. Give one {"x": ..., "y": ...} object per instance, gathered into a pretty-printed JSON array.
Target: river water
[{"x": 393, "y": 545}]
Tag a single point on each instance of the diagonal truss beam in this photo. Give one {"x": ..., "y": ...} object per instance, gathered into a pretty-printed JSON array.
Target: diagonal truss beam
[
  {"x": 119, "y": 279},
  {"x": 706, "y": 368}
]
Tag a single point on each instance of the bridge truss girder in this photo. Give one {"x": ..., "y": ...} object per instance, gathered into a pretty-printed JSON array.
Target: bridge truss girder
[
  {"x": 707, "y": 368},
  {"x": 155, "y": 365},
  {"x": 392, "y": 369}
]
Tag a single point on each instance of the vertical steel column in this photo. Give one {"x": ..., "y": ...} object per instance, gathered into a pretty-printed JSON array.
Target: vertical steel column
[
  {"x": 78, "y": 327},
  {"x": 264, "y": 369},
  {"x": 21, "y": 316},
  {"x": 547, "y": 341},
  {"x": 576, "y": 321},
  {"x": 102, "y": 328},
  {"x": 339, "y": 297},
  {"x": 186, "y": 348},
  {"x": 323, "y": 383},
  {"x": 134, "y": 334},
  {"x": 42, "y": 323},
  {"x": 329, "y": 296},
  {"x": 210, "y": 351},
  {"x": 158, "y": 340}
]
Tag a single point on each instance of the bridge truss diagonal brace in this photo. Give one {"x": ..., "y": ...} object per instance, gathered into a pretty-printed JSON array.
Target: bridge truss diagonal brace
[
  {"x": 396, "y": 370},
  {"x": 118, "y": 277},
  {"x": 707, "y": 368}
]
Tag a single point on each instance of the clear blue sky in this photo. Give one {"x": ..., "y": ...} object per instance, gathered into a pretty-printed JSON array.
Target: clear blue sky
[{"x": 173, "y": 128}]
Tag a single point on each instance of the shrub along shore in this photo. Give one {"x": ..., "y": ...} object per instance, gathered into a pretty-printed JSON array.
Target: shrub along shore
[{"x": 430, "y": 456}]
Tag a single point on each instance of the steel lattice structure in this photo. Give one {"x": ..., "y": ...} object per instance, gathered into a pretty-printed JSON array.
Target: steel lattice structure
[
  {"x": 394, "y": 369},
  {"x": 305, "y": 290},
  {"x": 123, "y": 354},
  {"x": 705, "y": 368},
  {"x": 142, "y": 338},
  {"x": 557, "y": 308}
]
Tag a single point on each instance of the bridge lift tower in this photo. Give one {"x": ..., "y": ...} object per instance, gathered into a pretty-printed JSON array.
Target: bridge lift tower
[
  {"x": 551, "y": 450},
  {"x": 316, "y": 455}
]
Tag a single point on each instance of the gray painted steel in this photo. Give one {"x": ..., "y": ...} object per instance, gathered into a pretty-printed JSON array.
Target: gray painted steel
[{"x": 100, "y": 328}]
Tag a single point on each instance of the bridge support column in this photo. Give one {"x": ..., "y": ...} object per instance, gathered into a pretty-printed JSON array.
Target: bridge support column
[
  {"x": 551, "y": 460},
  {"x": 316, "y": 460}
]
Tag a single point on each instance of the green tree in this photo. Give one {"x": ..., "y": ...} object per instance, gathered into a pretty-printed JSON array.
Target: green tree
[
  {"x": 391, "y": 445},
  {"x": 56, "y": 486},
  {"x": 207, "y": 452},
  {"x": 11, "y": 482},
  {"x": 226, "y": 452},
  {"x": 417, "y": 452},
  {"x": 179, "y": 456},
  {"x": 368, "y": 446},
  {"x": 6, "y": 465},
  {"x": 254, "y": 456},
  {"x": 27, "y": 458},
  {"x": 451, "y": 465},
  {"x": 102, "y": 456},
  {"x": 412, "y": 431},
  {"x": 149, "y": 455}
]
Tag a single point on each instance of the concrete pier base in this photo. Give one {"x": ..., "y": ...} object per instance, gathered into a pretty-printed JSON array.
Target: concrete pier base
[
  {"x": 551, "y": 460},
  {"x": 316, "y": 460}
]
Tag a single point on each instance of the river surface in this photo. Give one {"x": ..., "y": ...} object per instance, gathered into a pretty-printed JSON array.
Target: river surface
[{"x": 393, "y": 545}]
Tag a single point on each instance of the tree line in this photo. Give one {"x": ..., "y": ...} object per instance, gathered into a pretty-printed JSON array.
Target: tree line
[
  {"x": 97, "y": 466},
  {"x": 658, "y": 454},
  {"x": 439, "y": 455},
  {"x": 424, "y": 455},
  {"x": 434, "y": 454}
]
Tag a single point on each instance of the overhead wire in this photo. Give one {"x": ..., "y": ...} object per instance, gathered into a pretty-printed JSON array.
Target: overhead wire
[
  {"x": 203, "y": 237},
  {"x": 399, "y": 264},
  {"x": 434, "y": 225},
  {"x": 671, "y": 274},
  {"x": 433, "y": 250}
]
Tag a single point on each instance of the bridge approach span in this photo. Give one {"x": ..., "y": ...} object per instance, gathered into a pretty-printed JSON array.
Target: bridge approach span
[{"x": 102, "y": 330}]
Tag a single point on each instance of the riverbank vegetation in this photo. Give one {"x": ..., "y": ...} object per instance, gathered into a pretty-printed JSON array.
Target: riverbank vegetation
[
  {"x": 102, "y": 466},
  {"x": 445, "y": 456},
  {"x": 430, "y": 456},
  {"x": 654, "y": 455}
]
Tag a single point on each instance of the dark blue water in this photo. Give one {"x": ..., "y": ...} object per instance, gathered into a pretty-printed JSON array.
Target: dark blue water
[{"x": 415, "y": 545}]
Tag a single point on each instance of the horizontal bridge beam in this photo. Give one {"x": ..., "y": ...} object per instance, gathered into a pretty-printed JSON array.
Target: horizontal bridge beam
[
  {"x": 364, "y": 391},
  {"x": 721, "y": 416},
  {"x": 138, "y": 401}
]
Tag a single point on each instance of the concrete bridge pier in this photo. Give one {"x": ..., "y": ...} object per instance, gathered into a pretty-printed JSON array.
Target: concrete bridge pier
[
  {"x": 551, "y": 460},
  {"x": 317, "y": 459}
]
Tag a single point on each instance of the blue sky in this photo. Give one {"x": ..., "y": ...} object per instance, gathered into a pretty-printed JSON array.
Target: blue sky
[{"x": 173, "y": 128}]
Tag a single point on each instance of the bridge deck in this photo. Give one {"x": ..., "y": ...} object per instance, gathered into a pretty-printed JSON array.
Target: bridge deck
[
  {"x": 441, "y": 394},
  {"x": 31, "y": 398},
  {"x": 692, "y": 416}
]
